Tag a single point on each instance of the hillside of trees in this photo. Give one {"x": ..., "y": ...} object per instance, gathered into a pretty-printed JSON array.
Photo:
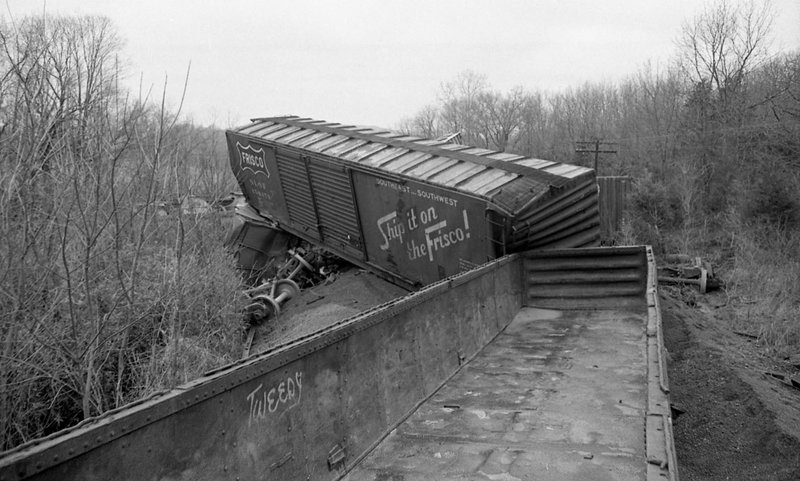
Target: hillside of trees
[
  {"x": 711, "y": 140},
  {"x": 113, "y": 288},
  {"x": 109, "y": 290}
]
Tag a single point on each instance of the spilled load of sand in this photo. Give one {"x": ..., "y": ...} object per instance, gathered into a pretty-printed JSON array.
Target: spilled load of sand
[{"x": 354, "y": 290}]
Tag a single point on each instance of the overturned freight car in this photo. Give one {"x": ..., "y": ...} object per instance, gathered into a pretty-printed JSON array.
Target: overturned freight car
[{"x": 410, "y": 209}]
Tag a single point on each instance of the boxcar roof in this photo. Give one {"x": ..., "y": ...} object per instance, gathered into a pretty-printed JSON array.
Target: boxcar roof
[{"x": 507, "y": 180}]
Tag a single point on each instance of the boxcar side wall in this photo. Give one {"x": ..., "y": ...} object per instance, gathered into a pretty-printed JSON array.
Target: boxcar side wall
[
  {"x": 423, "y": 232},
  {"x": 414, "y": 232}
]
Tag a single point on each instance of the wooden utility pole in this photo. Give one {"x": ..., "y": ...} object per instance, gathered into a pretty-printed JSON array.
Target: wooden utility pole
[{"x": 593, "y": 146}]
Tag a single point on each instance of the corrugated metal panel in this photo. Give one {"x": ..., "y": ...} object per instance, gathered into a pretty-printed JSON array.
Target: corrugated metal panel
[
  {"x": 298, "y": 194},
  {"x": 587, "y": 278},
  {"x": 534, "y": 213},
  {"x": 568, "y": 218},
  {"x": 572, "y": 221},
  {"x": 335, "y": 208},
  {"x": 517, "y": 194}
]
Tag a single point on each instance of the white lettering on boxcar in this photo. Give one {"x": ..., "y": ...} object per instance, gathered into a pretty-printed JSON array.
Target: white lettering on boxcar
[
  {"x": 391, "y": 229},
  {"x": 279, "y": 398},
  {"x": 252, "y": 159},
  {"x": 435, "y": 236}
]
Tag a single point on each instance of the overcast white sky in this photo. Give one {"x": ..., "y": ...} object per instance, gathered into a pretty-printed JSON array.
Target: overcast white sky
[{"x": 377, "y": 62}]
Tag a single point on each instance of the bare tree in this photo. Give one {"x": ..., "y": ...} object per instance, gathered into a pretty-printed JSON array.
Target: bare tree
[
  {"x": 424, "y": 123},
  {"x": 535, "y": 137},
  {"x": 96, "y": 278},
  {"x": 723, "y": 44},
  {"x": 501, "y": 116},
  {"x": 460, "y": 106}
]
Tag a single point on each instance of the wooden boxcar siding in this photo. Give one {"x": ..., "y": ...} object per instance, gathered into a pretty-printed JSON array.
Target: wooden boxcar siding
[{"x": 613, "y": 203}]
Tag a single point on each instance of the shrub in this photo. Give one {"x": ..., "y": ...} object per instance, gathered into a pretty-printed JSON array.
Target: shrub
[
  {"x": 764, "y": 282},
  {"x": 656, "y": 204},
  {"x": 774, "y": 199}
]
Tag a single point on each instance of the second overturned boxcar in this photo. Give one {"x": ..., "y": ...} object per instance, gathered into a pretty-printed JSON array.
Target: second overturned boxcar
[{"x": 413, "y": 210}]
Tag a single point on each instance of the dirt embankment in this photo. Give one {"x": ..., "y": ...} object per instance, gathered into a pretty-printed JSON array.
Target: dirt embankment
[{"x": 738, "y": 423}]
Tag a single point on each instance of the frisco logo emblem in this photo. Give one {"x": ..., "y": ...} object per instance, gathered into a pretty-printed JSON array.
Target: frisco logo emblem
[{"x": 252, "y": 159}]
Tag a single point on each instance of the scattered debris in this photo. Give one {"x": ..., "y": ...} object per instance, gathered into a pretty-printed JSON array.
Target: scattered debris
[
  {"x": 793, "y": 360},
  {"x": 302, "y": 267},
  {"x": 785, "y": 380},
  {"x": 248, "y": 343},
  {"x": 336, "y": 458},
  {"x": 747, "y": 335},
  {"x": 681, "y": 269},
  {"x": 676, "y": 410},
  {"x": 317, "y": 298}
]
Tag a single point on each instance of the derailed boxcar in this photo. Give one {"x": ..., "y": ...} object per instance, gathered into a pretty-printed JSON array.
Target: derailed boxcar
[{"x": 415, "y": 210}]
